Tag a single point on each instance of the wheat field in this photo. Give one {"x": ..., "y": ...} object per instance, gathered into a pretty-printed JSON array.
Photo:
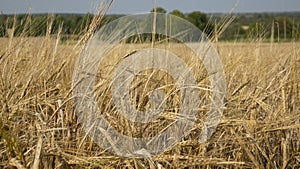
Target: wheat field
[{"x": 260, "y": 126}]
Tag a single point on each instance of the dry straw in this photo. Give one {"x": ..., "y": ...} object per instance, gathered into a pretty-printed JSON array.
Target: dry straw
[{"x": 260, "y": 127}]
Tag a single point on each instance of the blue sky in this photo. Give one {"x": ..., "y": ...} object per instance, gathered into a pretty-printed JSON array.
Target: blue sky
[{"x": 141, "y": 6}]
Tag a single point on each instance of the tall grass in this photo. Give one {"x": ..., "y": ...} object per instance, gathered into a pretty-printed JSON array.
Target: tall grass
[{"x": 260, "y": 127}]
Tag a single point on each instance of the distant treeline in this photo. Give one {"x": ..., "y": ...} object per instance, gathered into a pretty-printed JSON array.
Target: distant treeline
[
  {"x": 269, "y": 26},
  {"x": 40, "y": 24},
  {"x": 274, "y": 26}
]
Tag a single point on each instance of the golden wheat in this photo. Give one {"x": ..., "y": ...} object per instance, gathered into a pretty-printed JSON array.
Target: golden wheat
[{"x": 260, "y": 127}]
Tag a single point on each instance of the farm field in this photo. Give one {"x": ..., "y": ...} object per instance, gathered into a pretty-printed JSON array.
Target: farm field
[{"x": 260, "y": 126}]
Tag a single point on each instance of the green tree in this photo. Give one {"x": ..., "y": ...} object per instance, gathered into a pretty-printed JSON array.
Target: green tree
[
  {"x": 177, "y": 13},
  {"x": 75, "y": 24},
  {"x": 159, "y": 10},
  {"x": 38, "y": 25},
  {"x": 59, "y": 20},
  {"x": 20, "y": 22},
  {"x": 2, "y": 26},
  {"x": 86, "y": 21},
  {"x": 199, "y": 19},
  {"x": 2, "y": 30}
]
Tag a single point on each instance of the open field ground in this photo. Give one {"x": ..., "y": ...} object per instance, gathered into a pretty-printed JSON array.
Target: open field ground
[{"x": 260, "y": 127}]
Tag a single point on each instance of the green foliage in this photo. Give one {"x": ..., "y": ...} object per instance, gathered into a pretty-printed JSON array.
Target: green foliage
[
  {"x": 197, "y": 18},
  {"x": 159, "y": 10},
  {"x": 262, "y": 25},
  {"x": 178, "y": 13},
  {"x": 201, "y": 21},
  {"x": 2, "y": 28},
  {"x": 280, "y": 26}
]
